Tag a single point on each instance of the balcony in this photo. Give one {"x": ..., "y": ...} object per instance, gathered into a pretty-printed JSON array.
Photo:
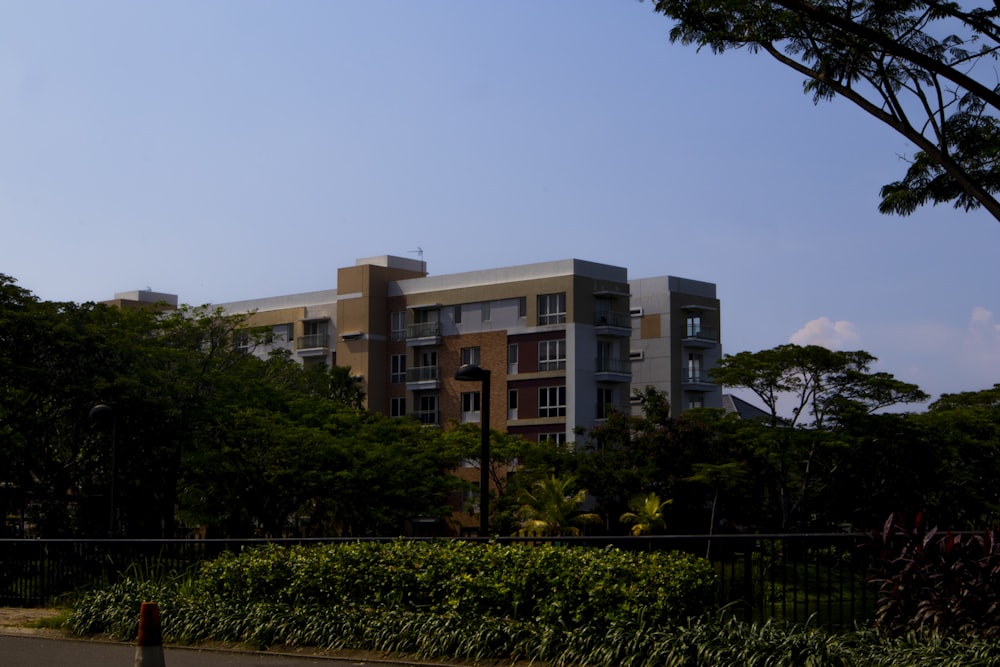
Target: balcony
[
  {"x": 604, "y": 411},
  {"x": 696, "y": 335},
  {"x": 425, "y": 417},
  {"x": 695, "y": 379},
  {"x": 613, "y": 370},
  {"x": 423, "y": 333},
  {"x": 608, "y": 323},
  {"x": 423, "y": 377},
  {"x": 312, "y": 345}
]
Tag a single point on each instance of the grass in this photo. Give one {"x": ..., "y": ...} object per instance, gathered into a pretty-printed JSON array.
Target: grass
[{"x": 54, "y": 622}]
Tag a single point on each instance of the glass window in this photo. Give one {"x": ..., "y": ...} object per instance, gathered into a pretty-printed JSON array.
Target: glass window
[
  {"x": 397, "y": 325},
  {"x": 397, "y": 407},
  {"x": 470, "y": 355},
  {"x": 397, "y": 372},
  {"x": 694, "y": 326},
  {"x": 552, "y": 308},
  {"x": 552, "y": 402},
  {"x": 551, "y": 355},
  {"x": 470, "y": 407},
  {"x": 605, "y": 402},
  {"x": 695, "y": 371},
  {"x": 427, "y": 413}
]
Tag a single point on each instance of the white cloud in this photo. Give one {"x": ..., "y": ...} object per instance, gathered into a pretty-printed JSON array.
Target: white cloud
[
  {"x": 981, "y": 346},
  {"x": 826, "y": 333}
]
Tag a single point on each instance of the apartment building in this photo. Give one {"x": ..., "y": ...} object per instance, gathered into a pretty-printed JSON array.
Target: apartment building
[{"x": 565, "y": 341}]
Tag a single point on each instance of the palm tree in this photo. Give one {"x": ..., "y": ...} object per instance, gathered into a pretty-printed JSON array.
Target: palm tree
[
  {"x": 646, "y": 514},
  {"x": 550, "y": 507}
]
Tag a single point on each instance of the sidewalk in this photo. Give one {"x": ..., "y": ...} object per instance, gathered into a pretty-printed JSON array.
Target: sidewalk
[{"x": 15, "y": 621}]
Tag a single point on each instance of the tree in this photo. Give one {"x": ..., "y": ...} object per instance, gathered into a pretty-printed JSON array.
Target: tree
[
  {"x": 825, "y": 384},
  {"x": 826, "y": 390},
  {"x": 717, "y": 477},
  {"x": 646, "y": 514},
  {"x": 921, "y": 67},
  {"x": 551, "y": 507}
]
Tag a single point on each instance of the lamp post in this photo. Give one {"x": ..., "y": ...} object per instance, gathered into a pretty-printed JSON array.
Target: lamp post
[
  {"x": 100, "y": 414},
  {"x": 473, "y": 373}
]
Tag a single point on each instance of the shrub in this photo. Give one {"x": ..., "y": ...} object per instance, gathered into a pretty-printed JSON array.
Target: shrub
[
  {"x": 427, "y": 598},
  {"x": 546, "y": 584},
  {"x": 947, "y": 584}
]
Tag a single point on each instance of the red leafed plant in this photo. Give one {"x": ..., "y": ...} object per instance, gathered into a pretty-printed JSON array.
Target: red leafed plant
[{"x": 948, "y": 583}]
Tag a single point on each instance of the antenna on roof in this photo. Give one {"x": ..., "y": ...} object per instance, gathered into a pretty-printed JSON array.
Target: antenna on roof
[{"x": 419, "y": 252}]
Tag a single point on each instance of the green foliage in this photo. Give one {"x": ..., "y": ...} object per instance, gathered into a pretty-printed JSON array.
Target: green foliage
[
  {"x": 429, "y": 598},
  {"x": 489, "y": 602},
  {"x": 551, "y": 506},
  {"x": 646, "y": 514}
]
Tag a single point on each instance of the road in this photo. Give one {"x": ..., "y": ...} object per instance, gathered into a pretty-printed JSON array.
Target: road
[{"x": 38, "y": 651}]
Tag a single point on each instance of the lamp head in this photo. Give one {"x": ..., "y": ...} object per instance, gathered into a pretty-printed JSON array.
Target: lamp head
[{"x": 471, "y": 373}]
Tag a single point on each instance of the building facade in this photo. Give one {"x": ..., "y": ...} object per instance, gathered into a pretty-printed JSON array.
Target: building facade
[{"x": 565, "y": 341}]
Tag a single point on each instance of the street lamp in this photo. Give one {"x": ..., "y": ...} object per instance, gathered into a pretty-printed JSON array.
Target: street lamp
[
  {"x": 100, "y": 414},
  {"x": 473, "y": 373}
]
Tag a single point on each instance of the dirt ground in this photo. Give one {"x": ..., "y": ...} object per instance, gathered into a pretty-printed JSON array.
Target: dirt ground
[{"x": 18, "y": 618}]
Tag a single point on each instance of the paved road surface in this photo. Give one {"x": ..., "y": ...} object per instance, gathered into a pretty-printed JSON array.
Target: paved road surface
[{"x": 35, "y": 651}]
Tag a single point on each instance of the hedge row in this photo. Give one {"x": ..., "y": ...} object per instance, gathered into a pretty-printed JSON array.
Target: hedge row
[{"x": 540, "y": 584}]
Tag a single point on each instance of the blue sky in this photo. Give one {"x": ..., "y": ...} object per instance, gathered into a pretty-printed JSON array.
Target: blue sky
[{"x": 224, "y": 150}]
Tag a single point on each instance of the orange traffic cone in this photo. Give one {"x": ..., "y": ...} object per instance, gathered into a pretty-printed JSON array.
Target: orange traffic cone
[{"x": 149, "y": 644}]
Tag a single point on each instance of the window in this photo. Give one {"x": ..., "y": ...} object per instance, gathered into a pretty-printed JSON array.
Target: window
[
  {"x": 694, "y": 368},
  {"x": 428, "y": 358},
  {"x": 555, "y": 438},
  {"x": 695, "y": 403},
  {"x": 552, "y": 308},
  {"x": 283, "y": 333},
  {"x": 486, "y": 311},
  {"x": 314, "y": 335},
  {"x": 470, "y": 407},
  {"x": 512, "y": 404},
  {"x": 605, "y": 402},
  {"x": 243, "y": 342},
  {"x": 552, "y": 355},
  {"x": 427, "y": 412},
  {"x": 512, "y": 359},
  {"x": 397, "y": 372},
  {"x": 636, "y": 355},
  {"x": 397, "y": 407},
  {"x": 470, "y": 355},
  {"x": 552, "y": 402},
  {"x": 522, "y": 306},
  {"x": 694, "y": 326},
  {"x": 397, "y": 325},
  {"x": 458, "y": 314}
]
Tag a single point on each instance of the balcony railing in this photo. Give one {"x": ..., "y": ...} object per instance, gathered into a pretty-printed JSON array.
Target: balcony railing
[
  {"x": 423, "y": 374},
  {"x": 701, "y": 332},
  {"x": 695, "y": 376},
  {"x": 425, "y": 416},
  {"x": 312, "y": 341},
  {"x": 423, "y": 330},
  {"x": 623, "y": 366},
  {"x": 612, "y": 319}
]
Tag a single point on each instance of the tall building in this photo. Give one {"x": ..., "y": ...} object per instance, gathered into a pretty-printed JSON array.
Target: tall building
[{"x": 565, "y": 341}]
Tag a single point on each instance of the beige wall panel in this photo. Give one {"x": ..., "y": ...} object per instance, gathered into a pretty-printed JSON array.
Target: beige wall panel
[{"x": 650, "y": 326}]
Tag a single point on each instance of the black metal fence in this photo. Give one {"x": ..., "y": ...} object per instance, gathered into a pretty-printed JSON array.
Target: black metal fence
[{"x": 819, "y": 578}]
